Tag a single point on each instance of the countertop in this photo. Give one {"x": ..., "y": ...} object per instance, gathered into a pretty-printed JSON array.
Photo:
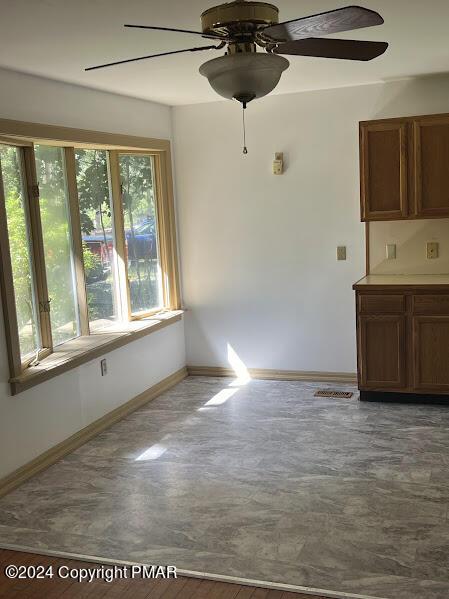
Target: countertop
[{"x": 401, "y": 281}]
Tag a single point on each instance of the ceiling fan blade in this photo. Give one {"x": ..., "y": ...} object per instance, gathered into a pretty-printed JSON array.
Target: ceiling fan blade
[
  {"x": 323, "y": 47},
  {"x": 334, "y": 21},
  {"x": 111, "y": 64},
  {"x": 206, "y": 35}
]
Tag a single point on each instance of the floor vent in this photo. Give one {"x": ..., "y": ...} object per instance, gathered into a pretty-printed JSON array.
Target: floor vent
[{"x": 334, "y": 394}]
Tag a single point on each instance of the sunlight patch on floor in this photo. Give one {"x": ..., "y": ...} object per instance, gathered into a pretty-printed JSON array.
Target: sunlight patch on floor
[
  {"x": 152, "y": 453},
  {"x": 221, "y": 397},
  {"x": 238, "y": 366}
]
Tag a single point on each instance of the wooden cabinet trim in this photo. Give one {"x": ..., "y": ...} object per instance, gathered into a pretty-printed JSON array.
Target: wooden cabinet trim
[
  {"x": 409, "y": 119},
  {"x": 400, "y": 288}
]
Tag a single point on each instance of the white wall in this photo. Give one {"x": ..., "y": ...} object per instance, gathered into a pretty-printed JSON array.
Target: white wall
[
  {"x": 258, "y": 251},
  {"x": 38, "y": 100},
  {"x": 37, "y": 419}
]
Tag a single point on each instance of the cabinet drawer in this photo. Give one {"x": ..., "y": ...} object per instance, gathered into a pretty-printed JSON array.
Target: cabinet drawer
[
  {"x": 431, "y": 304},
  {"x": 381, "y": 304}
]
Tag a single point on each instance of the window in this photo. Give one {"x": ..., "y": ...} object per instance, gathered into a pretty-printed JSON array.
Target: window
[
  {"x": 57, "y": 239},
  {"x": 21, "y": 252},
  {"x": 139, "y": 211},
  {"x": 87, "y": 238},
  {"x": 98, "y": 239}
]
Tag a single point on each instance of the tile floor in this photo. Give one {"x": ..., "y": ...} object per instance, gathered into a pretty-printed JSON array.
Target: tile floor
[{"x": 260, "y": 481}]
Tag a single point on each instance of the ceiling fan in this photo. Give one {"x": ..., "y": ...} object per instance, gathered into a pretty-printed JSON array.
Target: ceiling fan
[{"x": 243, "y": 27}]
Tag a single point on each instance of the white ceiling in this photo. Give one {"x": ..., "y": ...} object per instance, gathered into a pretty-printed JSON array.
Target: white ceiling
[{"x": 58, "y": 38}]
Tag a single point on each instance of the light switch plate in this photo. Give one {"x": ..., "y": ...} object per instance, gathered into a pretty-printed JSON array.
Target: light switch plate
[
  {"x": 341, "y": 252},
  {"x": 278, "y": 163},
  {"x": 433, "y": 248},
  {"x": 391, "y": 251}
]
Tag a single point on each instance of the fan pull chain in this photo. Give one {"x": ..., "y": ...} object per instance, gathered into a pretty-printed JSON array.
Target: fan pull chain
[{"x": 245, "y": 149}]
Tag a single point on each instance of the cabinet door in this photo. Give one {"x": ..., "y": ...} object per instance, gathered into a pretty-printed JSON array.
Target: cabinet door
[
  {"x": 431, "y": 167},
  {"x": 431, "y": 353},
  {"x": 383, "y": 171},
  {"x": 382, "y": 351}
]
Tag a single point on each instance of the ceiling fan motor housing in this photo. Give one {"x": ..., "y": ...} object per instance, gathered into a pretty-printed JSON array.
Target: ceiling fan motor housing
[
  {"x": 243, "y": 73},
  {"x": 239, "y": 17}
]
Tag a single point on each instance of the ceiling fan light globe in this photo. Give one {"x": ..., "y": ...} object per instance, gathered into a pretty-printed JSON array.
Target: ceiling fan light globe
[{"x": 254, "y": 74}]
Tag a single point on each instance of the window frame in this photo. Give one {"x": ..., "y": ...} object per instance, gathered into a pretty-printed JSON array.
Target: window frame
[{"x": 24, "y": 136}]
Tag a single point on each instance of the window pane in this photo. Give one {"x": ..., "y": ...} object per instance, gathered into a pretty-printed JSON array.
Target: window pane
[
  {"x": 20, "y": 248},
  {"x": 144, "y": 273},
  {"x": 57, "y": 243},
  {"x": 95, "y": 204}
]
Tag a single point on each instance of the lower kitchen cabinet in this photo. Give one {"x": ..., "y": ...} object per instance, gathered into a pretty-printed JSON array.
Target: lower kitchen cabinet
[
  {"x": 386, "y": 368},
  {"x": 403, "y": 335},
  {"x": 431, "y": 353}
]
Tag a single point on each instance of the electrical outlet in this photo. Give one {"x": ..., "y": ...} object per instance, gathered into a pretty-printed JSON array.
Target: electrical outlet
[
  {"x": 341, "y": 252},
  {"x": 432, "y": 250},
  {"x": 391, "y": 251},
  {"x": 104, "y": 367}
]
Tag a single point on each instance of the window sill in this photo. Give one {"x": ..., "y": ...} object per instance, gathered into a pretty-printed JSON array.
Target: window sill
[{"x": 78, "y": 351}]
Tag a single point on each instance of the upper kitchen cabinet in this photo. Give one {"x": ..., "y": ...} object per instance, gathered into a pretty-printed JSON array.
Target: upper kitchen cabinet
[
  {"x": 431, "y": 166},
  {"x": 404, "y": 168},
  {"x": 384, "y": 167}
]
